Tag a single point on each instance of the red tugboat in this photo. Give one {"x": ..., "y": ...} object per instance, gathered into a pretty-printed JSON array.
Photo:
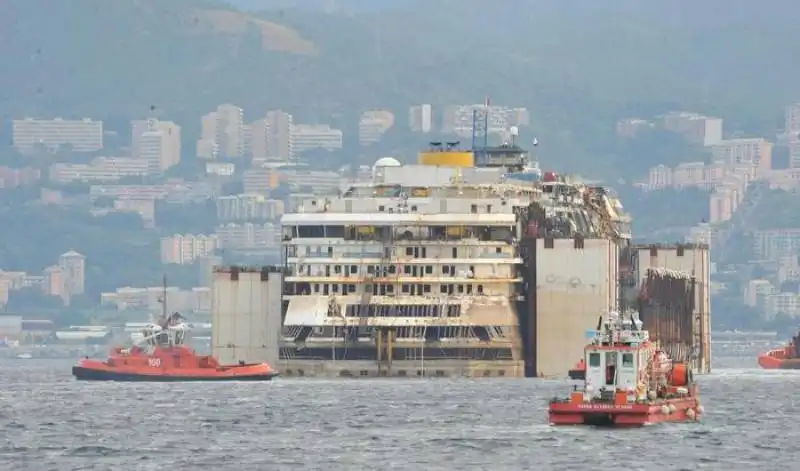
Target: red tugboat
[
  {"x": 162, "y": 356},
  {"x": 628, "y": 381},
  {"x": 784, "y": 358}
]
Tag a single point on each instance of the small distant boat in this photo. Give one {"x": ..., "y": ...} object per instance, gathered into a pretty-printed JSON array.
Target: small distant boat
[
  {"x": 24, "y": 356},
  {"x": 161, "y": 355},
  {"x": 628, "y": 381},
  {"x": 783, "y": 358}
]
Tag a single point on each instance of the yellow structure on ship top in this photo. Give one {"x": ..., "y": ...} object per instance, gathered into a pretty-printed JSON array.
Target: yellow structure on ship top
[{"x": 446, "y": 155}]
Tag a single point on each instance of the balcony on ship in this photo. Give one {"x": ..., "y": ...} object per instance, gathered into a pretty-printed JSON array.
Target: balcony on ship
[{"x": 401, "y": 233}]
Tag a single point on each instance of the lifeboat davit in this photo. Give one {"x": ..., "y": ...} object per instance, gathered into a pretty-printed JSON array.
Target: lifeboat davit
[
  {"x": 784, "y": 358},
  {"x": 628, "y": 381},
  {"x": 162, "y": 356}
]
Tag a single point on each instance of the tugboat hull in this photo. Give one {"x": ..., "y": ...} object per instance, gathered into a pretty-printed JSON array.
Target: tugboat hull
[
  {"x": 778, "y": 360},
  {"x": 625, "y": 415},
  {"x": 91, "y": 374},
  {"x": 784, "y": 358}
]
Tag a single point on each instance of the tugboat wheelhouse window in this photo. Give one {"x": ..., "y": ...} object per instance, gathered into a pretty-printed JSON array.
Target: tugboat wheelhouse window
[
  {"x": 594, "y": 360},
  {"x": 627, "y": 360}
]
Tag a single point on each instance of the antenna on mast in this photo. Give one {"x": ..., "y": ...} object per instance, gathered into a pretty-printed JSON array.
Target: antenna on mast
[{"x": 480, "y": 129}]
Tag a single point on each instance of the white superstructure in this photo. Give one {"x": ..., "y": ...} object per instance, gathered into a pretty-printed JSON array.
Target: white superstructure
[{"x": 421, "y": 272}]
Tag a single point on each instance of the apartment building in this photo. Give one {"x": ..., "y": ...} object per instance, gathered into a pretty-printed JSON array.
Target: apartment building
[
  {"x": 248, "y": 207},
  {"x": 788, "y": 268},
  {"x": 315, "y": 136},
  {"x": 207, "y": 147},
  {"x": 372, "y": 126},
  {"x": 784, "y": 179},
  {"x": 73, "y": 268},
  {"x": 230, "y": 131},
  {"x": 100, "y": 169},
  {"x": 249, "y": 235},
  {"x": 15, "y": 177},
  {"x": 15, "y": 279},
  {"x": 792, "y": 121},
  {"x": 727, "y": 183},
  {"x": 756, "y": 152},
  {"x": 83, "y": 135},
  {"x": 776, "y": 243},
  {"x": 197, "y": 299},
  {"x": 630, "y": 127},
  {"x": 317, "y": 181},
  {"x": 420, "y": 118},
  {"x": 53, "y": 281},
  {"x": 186, "y": 248},
  {"x": 139, "y": 192},
  {"x": 220, "y": 169},
  {"x": 222, "y": 133},
  {"x": 158, "y": 143},
  {"x": 5, "y": 289},
  {"x": 699, "y": 174},
  {"x": 690, "y": 174},
  {"x": 723, "y": 203},
  {"x": 175, "y": 191},
  {"x": 756, "y": 292},
  {"x": 256, "y": 146},
  {"x": 146, "y": 209},
  {"x": 786, "y": 304},
  {"x": 259, "y": 181},
  {"x": 703, "y": 130},
  {"x": 279, "y": 138},
  {"x": 659, "y": 177}
]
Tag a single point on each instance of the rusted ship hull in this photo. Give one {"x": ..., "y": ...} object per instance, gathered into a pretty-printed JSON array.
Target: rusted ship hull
[{"x": 667, "y": 304}]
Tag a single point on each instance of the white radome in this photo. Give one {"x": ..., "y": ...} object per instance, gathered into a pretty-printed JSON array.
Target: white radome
[{"x": 387, "y": 162}]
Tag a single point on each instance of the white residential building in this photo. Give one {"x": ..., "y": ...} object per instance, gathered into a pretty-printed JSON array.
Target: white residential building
[
  {"x": 159, "y": 145},
  {"x": 703, "y": 130},
  {"x": 107, "y": 169},
  {"x": 420, "y": 118},
  {"x": 248, "y": 207},
  {"x": 83, "y": 135},
  {"x": 314, "y": 136},
  {"x": 373, "y": 125},
  {"x": 184, "y": 249},
  {"x": 222, "y": 133}
]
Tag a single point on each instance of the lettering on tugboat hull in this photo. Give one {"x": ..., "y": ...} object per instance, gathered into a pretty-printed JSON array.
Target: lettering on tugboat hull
[{"x": 605, "y": 406}]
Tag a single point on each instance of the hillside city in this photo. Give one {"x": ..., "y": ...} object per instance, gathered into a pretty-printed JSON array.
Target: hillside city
[{"x": 220, "y": 198}]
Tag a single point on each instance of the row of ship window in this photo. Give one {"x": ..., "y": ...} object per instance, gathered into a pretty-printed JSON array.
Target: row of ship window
[
  {"x": 351, "y": 232},
  {"x": 415, "y": 252},
  {"x": 594, "y": 359},
  {"x": 383, "y": 271},
  {"x": 406, "y": 288}
]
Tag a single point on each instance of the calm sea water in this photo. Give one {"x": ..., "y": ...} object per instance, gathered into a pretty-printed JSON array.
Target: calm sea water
[{"x": 48, "y": 421}]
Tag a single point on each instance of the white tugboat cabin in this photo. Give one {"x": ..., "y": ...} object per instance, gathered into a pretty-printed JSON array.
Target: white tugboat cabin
[{"x": 628, "y": 380}]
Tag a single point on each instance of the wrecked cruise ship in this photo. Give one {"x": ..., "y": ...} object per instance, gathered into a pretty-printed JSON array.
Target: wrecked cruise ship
[{"x": 469, "y": 263}]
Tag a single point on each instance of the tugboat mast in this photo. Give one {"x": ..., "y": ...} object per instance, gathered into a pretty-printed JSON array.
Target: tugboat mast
[{"x": 164, "y": 298}]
